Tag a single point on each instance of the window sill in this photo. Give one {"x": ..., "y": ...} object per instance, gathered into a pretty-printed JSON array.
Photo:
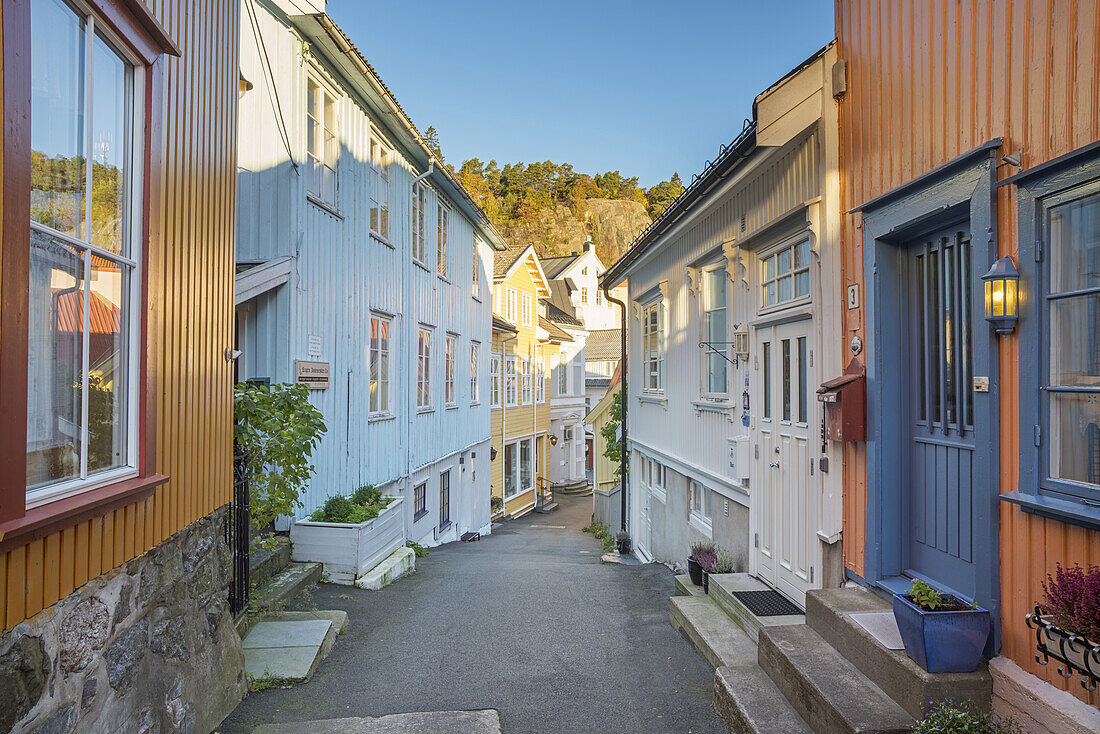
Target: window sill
[
  {"x": 424, "y": 411},
  {"x": 1068, "y": 511},
  {"x": 48, "y": 518},
  {"x": 444, "y": 278},
  {"x": 444, "y": 526},
  {"x": 711, "y": 406},
  {"x": 495, "y": 407},
  {"x": 701, "y": 525},
  {"x": 419, "y": 515},
  {"x": 421, "y": 265},
  {"x": 380, "y": 417},
  {"x": 382, "y": 240},
  {"x": 653, "y": 399},
  {"x": 451, "y": 406},
  {"x": 326, "y": 207},
  {"x": 476, "y": 298},
  {"x": 659, "y": 494}
]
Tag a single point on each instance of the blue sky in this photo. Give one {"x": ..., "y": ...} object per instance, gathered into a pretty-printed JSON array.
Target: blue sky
[{"x": 644, "y": 87}]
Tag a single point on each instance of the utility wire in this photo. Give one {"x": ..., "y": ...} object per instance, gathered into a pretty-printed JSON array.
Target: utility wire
[{"x": 269, "y": 76}]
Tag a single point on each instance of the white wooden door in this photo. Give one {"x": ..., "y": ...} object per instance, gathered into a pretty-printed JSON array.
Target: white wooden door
[{"x": 787, "y": 505}]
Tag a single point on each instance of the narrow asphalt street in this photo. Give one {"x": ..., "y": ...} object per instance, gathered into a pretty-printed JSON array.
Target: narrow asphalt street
[{"x": 527, "y": 621}]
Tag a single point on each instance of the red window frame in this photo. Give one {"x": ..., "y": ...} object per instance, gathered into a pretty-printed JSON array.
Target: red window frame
[{"x": 143, "y": 34}]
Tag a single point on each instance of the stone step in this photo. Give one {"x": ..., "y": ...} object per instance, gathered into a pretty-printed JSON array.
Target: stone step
[
  {"x": 396, "y": 565},
  {"x": 711, "y": 632},
  {"x": 828, "y": 612},
  {"x": 287, "y": 651},
  {"x": 684, "y": 587},
  {"x": 486, "y": 721},
  {"x": 722, "y": 586},
  {"x": 825, "y": 689},
  {"x": 546, "y": 509},
  {"x": 263, "y": 563},
  {"x": 285, "y": 585},
  {"x": 749, "y": 702}
]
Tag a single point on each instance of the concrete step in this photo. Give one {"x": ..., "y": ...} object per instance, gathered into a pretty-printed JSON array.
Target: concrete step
[
  {"x": 711, "y": 632},
  {"x": 396, "y": 565},
  {"x": 684, "y": 587},
  {"x": 825, "y": 689},
  {"x": 722, "y": 586},
  {"x": 546, "y": 509},
  {"x": 577, "y": 489},
  {"x": 285, "y": 585},
  {"x": 263, "y": 563},
  {"x": 486, "y": 721},
  {"x": 828, "y": 612},
  {"x": 287, "y": 651},
  {"x": 749, "y": 703}
]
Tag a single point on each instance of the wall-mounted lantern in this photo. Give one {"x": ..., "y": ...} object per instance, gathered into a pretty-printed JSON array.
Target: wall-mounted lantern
[
  {"x": 1002, "y": 302},
  {"x": 492, "y": 453},
  {"x": 553, "y": 440}
]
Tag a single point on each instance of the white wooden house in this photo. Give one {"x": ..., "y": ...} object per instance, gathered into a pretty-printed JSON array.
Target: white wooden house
[
  {"x": 363, "y": 259},
  {"x": 734, "y": 294}
]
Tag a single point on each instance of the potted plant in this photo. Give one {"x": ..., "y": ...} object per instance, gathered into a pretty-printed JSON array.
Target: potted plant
[
  {"x": 720, "y": 562},
  {"x": 1071, "y": 614},
  {"x": 954, "y": 717},
  {"x": 702, "y": 552},
  {"x": 943, "y": 633},
  {"x": 622, "y": 541}
]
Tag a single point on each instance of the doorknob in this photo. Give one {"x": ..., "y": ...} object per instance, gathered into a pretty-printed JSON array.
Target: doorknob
[
  {"x": 774, "y": 465},
  {"x": 777, "y": 449}
]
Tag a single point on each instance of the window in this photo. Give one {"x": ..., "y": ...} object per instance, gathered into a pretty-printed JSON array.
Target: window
[
  {"x": 653, "y": 348},
  {"x": 475, "y": 392},
  {"x": 525, "y": 380},
  {"x": 443, "y": 215},
  {"x": 83, "y": 312},
  {"x": 526, "y": 309},
  {"x": 423, "y": 369},
  {"x": 511, "y": 394},
  {"x": 767, "y": 380},
  {"x": 566, "y": 434},
  {"x": 419, "y": 203},
  {"x": 322, "y": 148},
  {"x": 700, "y": 504},
  {"x": 449, "y": 369},
  {"x": 444, "y": 499},
  {"x": 563, "y": 376},
  {"x": 379, "y": 188},
  {"x": 785, "y": 275},
  {"x": 380, "y": 364},
  {"x": 526, "y": 465},
  {"x": 494, "y": 381},
  {"x": 599, "y": 297},
  {"x": 510, "y": 305},
  {"x": 475, "y": 278},
  {"x": 714, "y": 331},
  {"x": 584, "y": 295},
  {"x": 511, "y": 479},
  {"x": 420, "y": 496},
  {"x": 540, "y": 380}
]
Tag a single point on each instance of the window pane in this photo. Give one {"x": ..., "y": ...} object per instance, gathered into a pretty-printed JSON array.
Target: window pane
[
  {"x": 110, "y": 148},
  {"x": 525, "y": 465},
  {"x": 57, "y": 125},
  {"x": 55, "y": 357},
  {"x": 767, "y": 379},
  {"x": 716, "y": 289},
  {"x": 1075, "y": 341},
  {"x": 509, "y": 470},
  {"x": 1075, "y": 245},
  {"x": 769, "y": 268},
  {"x": 786, "y": 344},
  {"x": 802, "y": 365},
  {"x": 802, "y": 284},
  {"x": 108, "y": 365},
  {"x": 785, "y": 262},
  {"x": 785, "y": 288},
  {"x": 769, "y": 294},
  {"x": 1075, "y": 437},
  {"x": 801, "y": 255}
]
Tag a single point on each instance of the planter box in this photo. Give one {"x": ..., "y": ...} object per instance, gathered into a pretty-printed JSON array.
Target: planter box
[
  {"x": 942, "y": 642},
  {"x": 349, "y": 551},
  {"x": 695, "y": 571},
  {"x": 1078, "y": 654}
]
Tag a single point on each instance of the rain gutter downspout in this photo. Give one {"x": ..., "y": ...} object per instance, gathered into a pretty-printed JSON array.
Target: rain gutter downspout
[{"x": 623, "y": 391}]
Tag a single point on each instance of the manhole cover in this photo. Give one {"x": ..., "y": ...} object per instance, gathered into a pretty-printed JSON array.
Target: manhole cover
[{"x": 767, "y": 603}]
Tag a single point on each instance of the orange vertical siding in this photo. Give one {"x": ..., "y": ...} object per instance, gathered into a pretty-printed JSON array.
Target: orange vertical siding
[
  {"x": 927, "y": 81},
  {"x": 191, "y": 290}
]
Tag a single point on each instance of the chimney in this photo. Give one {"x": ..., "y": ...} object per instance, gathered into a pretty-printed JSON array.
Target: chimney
[
  {"x": 574, "y": 253},
  {"x": 587, "y": 245}
]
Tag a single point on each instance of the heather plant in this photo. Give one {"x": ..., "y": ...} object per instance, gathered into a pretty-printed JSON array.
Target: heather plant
[
  {"x": 722, "y": 563},
  {"x": 703, "y": 552},
  {"x": 1072, "y": 598}
]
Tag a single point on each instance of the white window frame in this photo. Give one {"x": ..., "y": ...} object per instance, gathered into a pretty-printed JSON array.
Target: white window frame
[
  {"x": 424, "y": 368},
  {"x": 317, "y": 165},
  {"x": 511, "y": 296},
  {"x": 443, "y": 223},
  {"x": 653, "y": 364},
  {"x": 700, "y": 503},
  {"x": 475, "y": 388},
  {"x": 527, "y": 309},
  {"x": 450, "y": 347},
  {"x": 563, "y": 374},
  {"x": 773, "y": 255},
  {"x": 525, "y": 380},
  {"x": 381, "y": 154},
  {"x": 704, "y": 335},
  {"x": 495, "y": 377},
  {"x": 419, "y": 204},
  {"x": 540, "y": 380},
  {"x": 475, "y": 277},
  {"x": 584, "y": 295},
  {"x": 386, "y": 358},
  {"x": 511, "y": 381}
]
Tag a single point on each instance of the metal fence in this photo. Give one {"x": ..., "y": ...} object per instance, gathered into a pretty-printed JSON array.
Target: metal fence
[{"x": 237, "y": 533}]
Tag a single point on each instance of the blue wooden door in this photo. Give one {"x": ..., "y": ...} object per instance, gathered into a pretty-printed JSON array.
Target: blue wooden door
[{"x": 943, "y": 444}]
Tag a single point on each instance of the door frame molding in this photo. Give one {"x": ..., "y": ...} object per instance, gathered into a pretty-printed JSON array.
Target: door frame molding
[{"x": 962, "y": 189}]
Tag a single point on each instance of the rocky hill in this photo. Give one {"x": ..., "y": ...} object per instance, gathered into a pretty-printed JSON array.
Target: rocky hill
[{"x": 612, "y": 224}]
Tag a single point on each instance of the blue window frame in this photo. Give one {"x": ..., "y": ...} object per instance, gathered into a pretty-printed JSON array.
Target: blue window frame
[
  {"x": 444, "y": 499},
  {"x": 420, "y": 501}
]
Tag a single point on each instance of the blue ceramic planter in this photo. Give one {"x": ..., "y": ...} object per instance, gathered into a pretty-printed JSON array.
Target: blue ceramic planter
[{"x": 942, "y": 642}]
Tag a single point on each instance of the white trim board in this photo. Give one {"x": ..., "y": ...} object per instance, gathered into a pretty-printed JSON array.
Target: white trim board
[{"x": 713, "y": 481}]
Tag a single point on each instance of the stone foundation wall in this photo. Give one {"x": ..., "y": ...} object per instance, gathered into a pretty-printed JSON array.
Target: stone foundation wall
[{"x": 148, "y": 647}]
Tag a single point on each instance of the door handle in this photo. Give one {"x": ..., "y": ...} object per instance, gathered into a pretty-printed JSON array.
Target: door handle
[{"x": 774, "y": 465}]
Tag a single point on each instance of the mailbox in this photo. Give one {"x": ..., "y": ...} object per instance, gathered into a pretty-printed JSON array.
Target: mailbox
[{"x": 845, "y": 401}]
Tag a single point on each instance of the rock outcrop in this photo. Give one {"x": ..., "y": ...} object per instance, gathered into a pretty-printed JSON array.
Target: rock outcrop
[{"x": 611, "y": 223}]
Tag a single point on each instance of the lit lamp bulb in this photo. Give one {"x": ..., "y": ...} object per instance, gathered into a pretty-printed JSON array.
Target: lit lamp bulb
[{"x": 1002, "y": 303}]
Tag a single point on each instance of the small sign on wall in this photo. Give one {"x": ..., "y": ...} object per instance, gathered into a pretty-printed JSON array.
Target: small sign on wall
[
  {"x": 313, "y": 374},
  {"x": 853, "y": 296},
  {"x": 314, "y": 348}
]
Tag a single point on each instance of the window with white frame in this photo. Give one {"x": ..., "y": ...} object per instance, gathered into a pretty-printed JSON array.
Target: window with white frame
[
  {"x": 444, "y": 499},
  {"x": 449, "y": 348},
  {"x": 380, "y": 327},
  {"x": 511, "y": 295},
  {"x": 419, "y": 204},
  {"x": 540, "y": 380},
  {"x": 475, "y": 277},
  {"x": 442, "y": 217},
  {"x": 785, "y": 274},
  {"x": 700, "y": 503},
  {"x": 494, "y": 380},
  {"x": 525, "y": 380},
  {"x": 322, "y": 146},
  {"x": 424, "y": 368},
  {"x": 653, "y": 348},
  {"x": 584, "y": 295},
  {"x": 599, "y": 297},
  {"x": 519, "y": 467},
  {"x": 527, "y": 309},
  {"x": 475, "y": 392},
  {"x": 86, "y": 148},
  {"x": 563, "y": 374},
  {"x": 713, "y": 330},
  {"x": 379, "y": 188},
  {"x": 420, "y": 501},
  {"x": 511, "y": 391}
]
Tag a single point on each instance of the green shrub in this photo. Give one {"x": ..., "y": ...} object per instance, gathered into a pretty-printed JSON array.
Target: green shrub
[
  {"x": 339, "y": 508},
  {"x": 418, "y": 549},
  {"x": 496, "y": 502},
  {"x": 367, "y": 495},
  {"x": 953, "y": 717}
]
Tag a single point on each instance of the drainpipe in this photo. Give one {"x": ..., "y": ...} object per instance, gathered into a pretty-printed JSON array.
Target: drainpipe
[
  {"x": 407, "y": 335},
  {"x": 622, "y": 350}
]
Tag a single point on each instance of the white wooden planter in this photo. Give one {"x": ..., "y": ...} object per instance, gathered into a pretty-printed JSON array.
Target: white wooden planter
[{"x": 348, "y": 551}]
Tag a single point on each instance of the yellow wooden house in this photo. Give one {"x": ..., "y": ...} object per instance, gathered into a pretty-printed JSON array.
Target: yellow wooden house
[{"x": 518, "y": 383}]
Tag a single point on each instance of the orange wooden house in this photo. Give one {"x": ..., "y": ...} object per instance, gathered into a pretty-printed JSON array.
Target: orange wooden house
[
  {"x": 116, "y": 277},
  {"x": 969, "y": 133}
]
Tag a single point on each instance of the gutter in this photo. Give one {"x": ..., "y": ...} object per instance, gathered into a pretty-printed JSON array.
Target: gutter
[{"x": 623, "y": 392}]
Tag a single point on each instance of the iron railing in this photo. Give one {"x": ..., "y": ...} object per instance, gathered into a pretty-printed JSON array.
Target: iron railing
[
  {"x": 1076, "y": 654},
  {"x": 237, "y": 533}
]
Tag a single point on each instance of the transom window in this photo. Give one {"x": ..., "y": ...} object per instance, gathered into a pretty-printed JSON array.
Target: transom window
[
  {"x": 423, "y": 368},
  {"x": 380, "y": 364},
  {"x": 785, "y": 275},
  {"x": 84, "y": 264},
  {"x": 379, "y": 188},
  {"x": 714, "y": 331},
  {"x": 419, "y": 203},
  {"x": 322, "y": 147},
  {"x": 449, "y": 369},
  {"x": 443, "y": 216},
  {"x": 653, "y": 348}
]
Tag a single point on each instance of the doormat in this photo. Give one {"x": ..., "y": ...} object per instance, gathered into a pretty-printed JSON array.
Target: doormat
[
  {"x": 767, "y": 603},
  {"x": 882, "y": 626}
]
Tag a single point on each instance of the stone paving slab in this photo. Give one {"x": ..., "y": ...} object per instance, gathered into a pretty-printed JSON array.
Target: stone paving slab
[
  {"x": 290, "y": 649},
  {"x": 302, "y": 633},
  {"x": 434, "y": 722}
]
